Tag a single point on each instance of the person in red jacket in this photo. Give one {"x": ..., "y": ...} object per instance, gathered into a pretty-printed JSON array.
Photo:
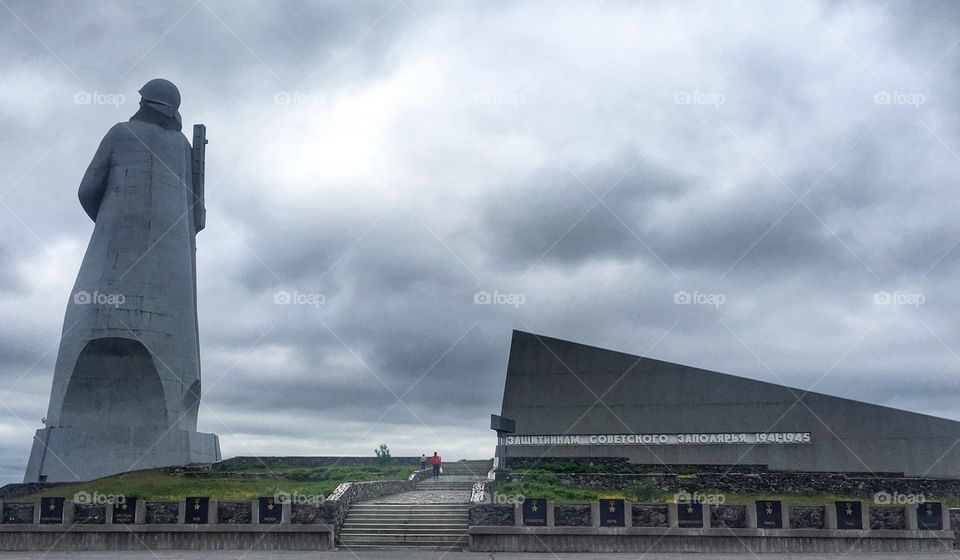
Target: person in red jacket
[{"x": 435, "y": 461}]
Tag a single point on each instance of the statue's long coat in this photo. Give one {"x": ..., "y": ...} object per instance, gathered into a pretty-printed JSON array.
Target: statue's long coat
[{"x": 129, "y": 353}]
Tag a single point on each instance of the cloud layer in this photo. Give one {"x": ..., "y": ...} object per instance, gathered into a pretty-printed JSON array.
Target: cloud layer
[{"x": 382, "y": 163}]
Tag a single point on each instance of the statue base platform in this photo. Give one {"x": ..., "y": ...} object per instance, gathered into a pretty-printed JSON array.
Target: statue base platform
[{"x": 98, "y": 451}]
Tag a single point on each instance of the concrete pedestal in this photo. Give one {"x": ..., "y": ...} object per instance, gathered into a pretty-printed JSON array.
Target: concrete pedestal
[{"x": 78, "y": 454}]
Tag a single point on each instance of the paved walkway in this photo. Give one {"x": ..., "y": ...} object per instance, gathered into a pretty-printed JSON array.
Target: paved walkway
[
  {"x": 426, "y": 495},
  {"x": 440, "y": 555}
]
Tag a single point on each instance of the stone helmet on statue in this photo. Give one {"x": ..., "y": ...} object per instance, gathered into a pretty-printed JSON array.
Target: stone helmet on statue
[{"x": 161, "y": 95}]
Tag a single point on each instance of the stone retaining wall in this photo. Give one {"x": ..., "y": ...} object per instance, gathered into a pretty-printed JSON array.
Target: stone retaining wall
[
  {"x": 571, "y": 515},
  {"x": 778, "y": 483},
  {"x": 335, "y": 507},
  {"x": 18, "y": 512},
  {"x": 734, "y": 517},
  {"x": 725, "y": 528},
  {"x": 807, "y": 517},
  {"x": 888, "y": 517},
  {"x": 310, "y": 462},
  {"x": 234, "y": 513},
  {"x": 90, "y": 514},
  {"x": 493, "y": 515},
  {"x": 162, "y": 512},
  {"x": 650, "y": 515}
]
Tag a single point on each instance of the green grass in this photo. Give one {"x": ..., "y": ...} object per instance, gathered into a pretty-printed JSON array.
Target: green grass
[{"x": 158, "y": 484}]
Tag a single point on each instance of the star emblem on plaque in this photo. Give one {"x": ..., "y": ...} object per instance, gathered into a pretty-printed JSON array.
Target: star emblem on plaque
[
  {"x": 535, "y": 512},
  {"x": 51, "y": 510},
  {"x": 930, "y": 516},
  {"x": 198, "y": 508},
  {"x": 849, "y": 515},
  {"x": 611, "y": 512},
  {"x": 123, "y": 510},
  {"x": 690, "y": 515},
  {"x": 769, "y": 514},
  {"x": 268, "y": 510}
]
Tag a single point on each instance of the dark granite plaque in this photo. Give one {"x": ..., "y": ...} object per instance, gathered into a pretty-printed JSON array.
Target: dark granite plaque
[
  {"x": 198, "y": 509},
  {"x": 123, "y": 510},
  {"x": 611, "y": 513},
  {"x": 849, "y": 515},
  {"x": 930, "y": 516},
  {"x": 769, "y": 515},
  {"x": 51, "y": 510},
  {"x": 270, "y": 510},
  {"x": 690, "y": 515},
  {"x": 535, "y": 512}
]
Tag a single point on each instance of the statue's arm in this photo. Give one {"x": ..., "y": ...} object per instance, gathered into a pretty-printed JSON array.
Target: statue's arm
[{"x": 94, "y": 182}]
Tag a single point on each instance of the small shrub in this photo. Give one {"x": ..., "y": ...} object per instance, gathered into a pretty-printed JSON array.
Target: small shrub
[
  {"x": 383, "y": 455},
  {"x": 643, "y": 491}
]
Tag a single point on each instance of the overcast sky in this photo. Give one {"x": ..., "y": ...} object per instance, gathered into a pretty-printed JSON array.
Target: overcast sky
[{"x": 789, "y": 168}]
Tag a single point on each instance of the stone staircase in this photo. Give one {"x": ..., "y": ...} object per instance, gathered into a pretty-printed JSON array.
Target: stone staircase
[
  {"x": 437, "y": 526},
  {"x": 477, "y": 469},
  {"x": 434, "y": 516}
]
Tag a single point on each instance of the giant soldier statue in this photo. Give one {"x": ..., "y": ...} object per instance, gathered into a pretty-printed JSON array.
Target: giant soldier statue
[{"x": 126, "y": 388}]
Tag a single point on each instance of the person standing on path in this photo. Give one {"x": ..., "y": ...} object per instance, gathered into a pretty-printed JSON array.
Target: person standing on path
[
  {"x": 423, "y": 461},
  {"x": 435, "y": 461}
]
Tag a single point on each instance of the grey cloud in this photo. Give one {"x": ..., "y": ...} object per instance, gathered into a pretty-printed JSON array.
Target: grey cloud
[{"x": 492, "y": 183}]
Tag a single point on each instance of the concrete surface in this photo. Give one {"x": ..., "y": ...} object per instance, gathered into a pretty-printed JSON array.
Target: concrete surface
[
  {"x": 552, "y": 387},
  {"x": 442, "y": 555}
]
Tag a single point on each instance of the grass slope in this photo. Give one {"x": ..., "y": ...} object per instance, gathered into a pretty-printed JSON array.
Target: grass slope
[{"x": 159, "y": 484}]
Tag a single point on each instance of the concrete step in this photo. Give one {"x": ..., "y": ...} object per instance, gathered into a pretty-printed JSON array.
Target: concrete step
[
  {"x": 440, "y": 488},
  {"x": 403, "y": 506},
  {"x": 386, "y": 538},
  {"x": 387, "y": 525},
  {"x": 404, "y": 520},
  {"x": 437, "y": 545},
  {"x": 444, "y": 481},
  {"x": 400, "y": 507},
  {"x": 390, "y": 529},
  {"x": 425, "y": 526},
  {"x": 441, "y": 485},
  {"x": 380, "y": 539},
  {"x": 410, "y": 515}
]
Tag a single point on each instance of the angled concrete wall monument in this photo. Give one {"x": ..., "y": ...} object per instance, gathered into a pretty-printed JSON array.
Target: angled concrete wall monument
[
  {"x": 126, "y": 388},
  {"x": 574, "y": 400}
]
